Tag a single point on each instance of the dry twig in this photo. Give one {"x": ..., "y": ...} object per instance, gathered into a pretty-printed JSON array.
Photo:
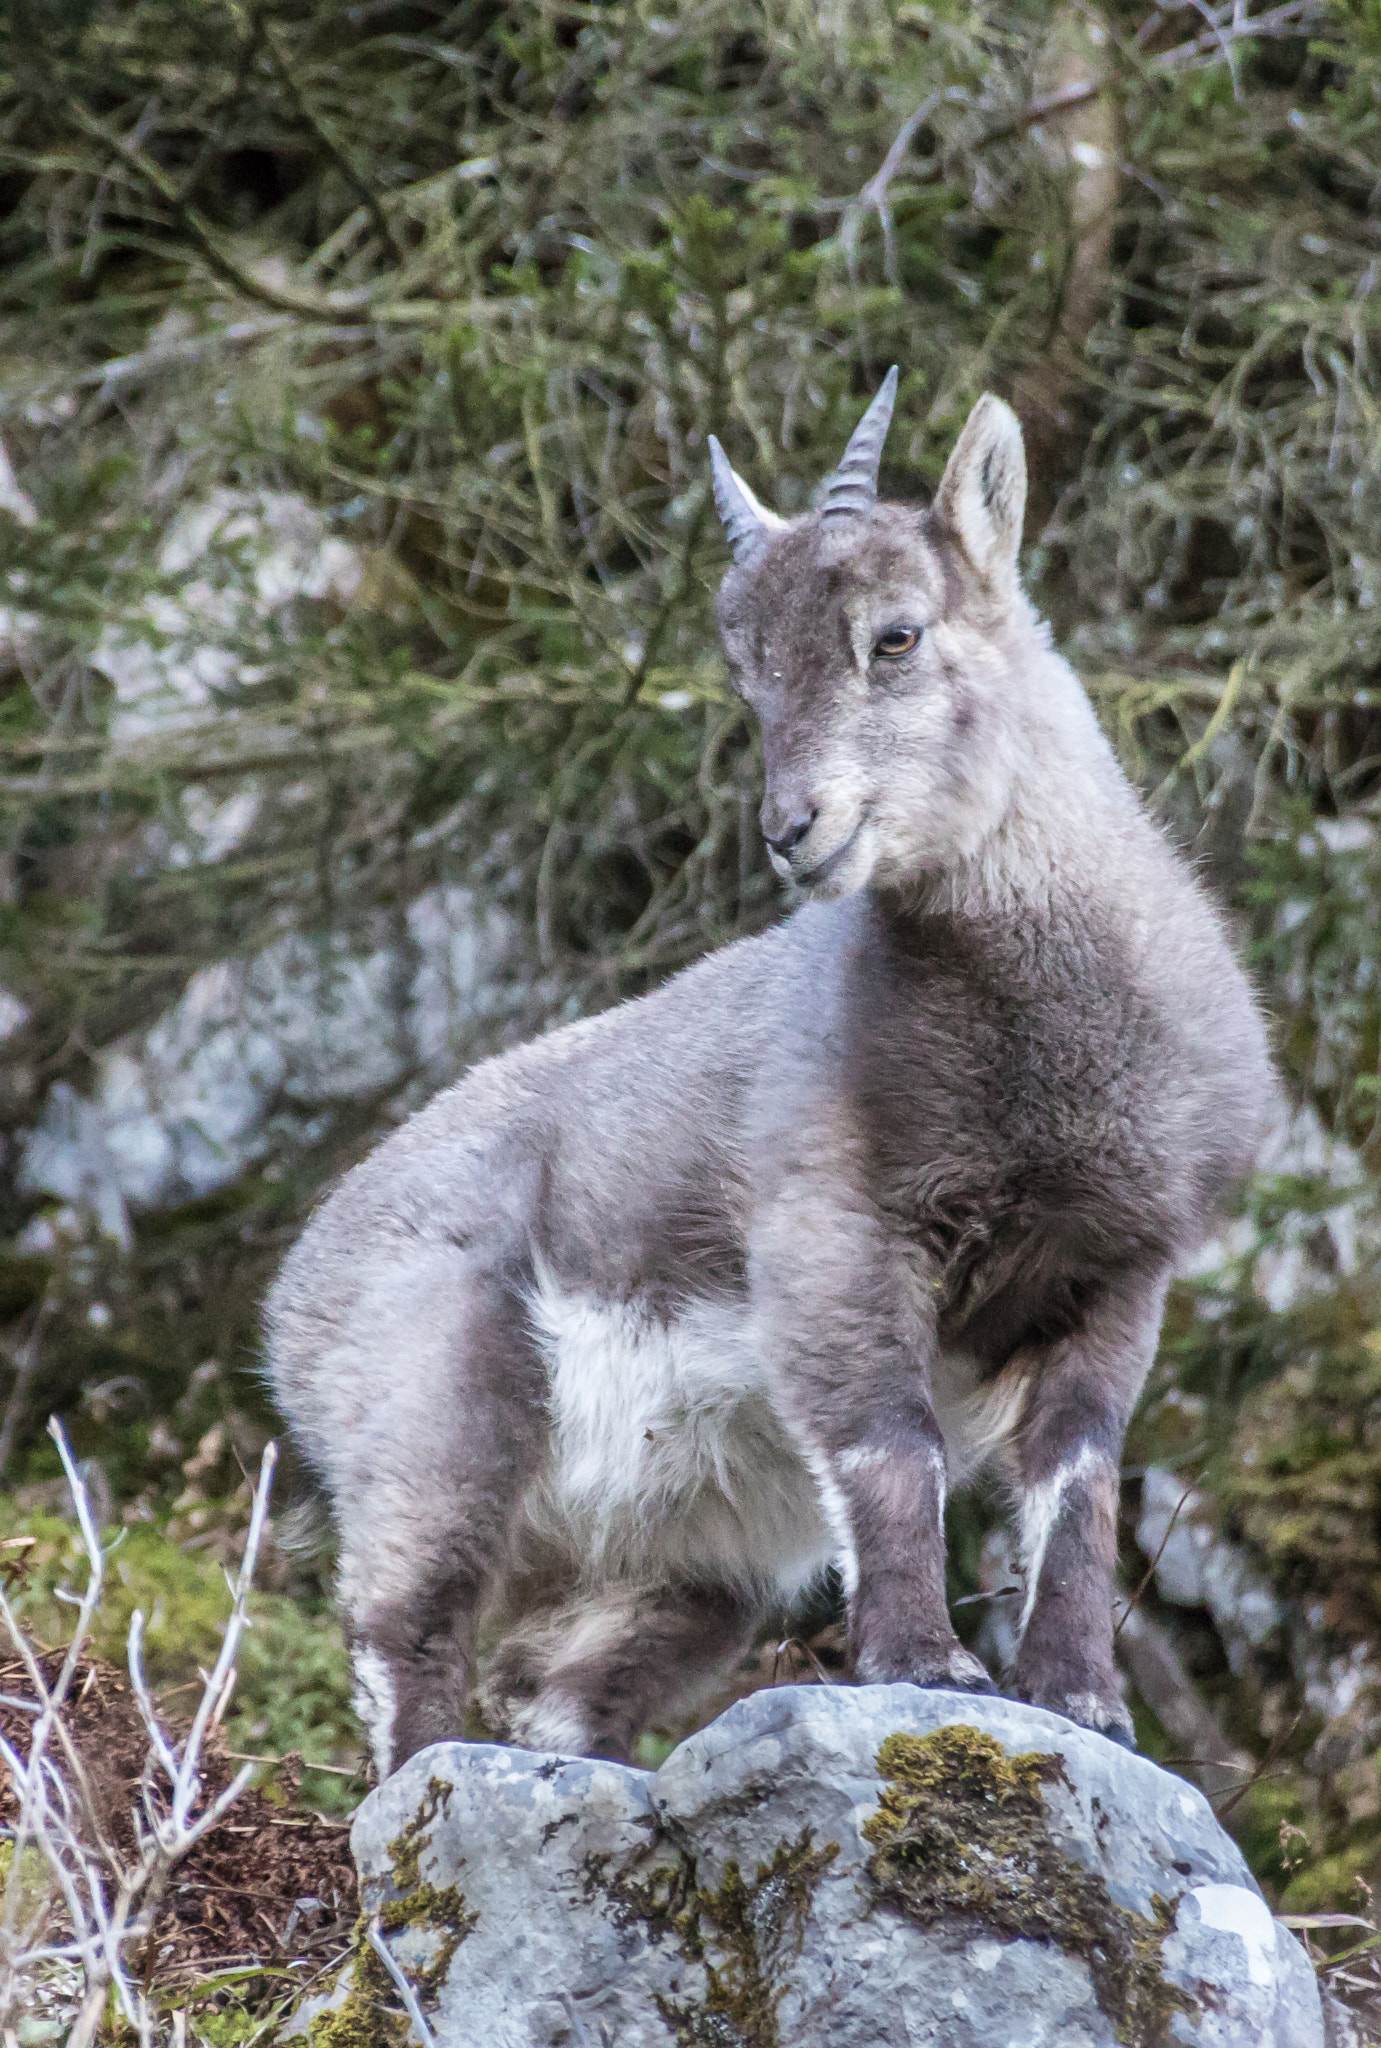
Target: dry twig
[{"x": 98, "y": 1905}]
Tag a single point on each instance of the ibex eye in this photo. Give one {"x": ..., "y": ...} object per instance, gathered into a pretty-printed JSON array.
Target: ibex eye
[{"x": 896, "y": 640}]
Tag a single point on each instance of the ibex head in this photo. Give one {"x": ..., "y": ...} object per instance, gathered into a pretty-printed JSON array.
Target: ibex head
[{"x": 883, "y": 650}]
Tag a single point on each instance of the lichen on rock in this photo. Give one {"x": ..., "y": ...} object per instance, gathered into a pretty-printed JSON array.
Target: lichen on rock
[
  {"x": 961, "y": 1832},
  {"x": 834, "y": 1867},
  {"x": 746, "y": 1935},
  {"x": 361, "y": 2020}
]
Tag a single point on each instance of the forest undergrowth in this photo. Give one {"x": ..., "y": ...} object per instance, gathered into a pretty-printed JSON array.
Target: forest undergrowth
[{"x": 465, "y": 289}]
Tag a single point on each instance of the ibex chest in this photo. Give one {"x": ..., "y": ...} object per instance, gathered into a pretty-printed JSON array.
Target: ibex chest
[{"x": 1010, "y": 1092}]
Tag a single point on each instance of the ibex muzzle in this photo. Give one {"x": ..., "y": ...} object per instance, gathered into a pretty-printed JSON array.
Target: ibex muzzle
[{"x": 637, "y": 1330}]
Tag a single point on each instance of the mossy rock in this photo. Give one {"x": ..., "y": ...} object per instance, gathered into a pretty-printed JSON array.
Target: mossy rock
[
  {"x": 828, "y": 1867},
  {"x": 961, "y": 1832}
]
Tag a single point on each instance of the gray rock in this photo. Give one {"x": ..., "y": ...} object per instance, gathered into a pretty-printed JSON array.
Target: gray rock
[
  {"x": 237, "y": 1067},
  {"x": 237, "y": 559},
  {"x": 1198, "y": 1567},
  {"x": 733, "y": 1898}
]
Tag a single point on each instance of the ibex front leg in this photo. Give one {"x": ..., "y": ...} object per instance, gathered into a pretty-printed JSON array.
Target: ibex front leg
[
  {"x": 1079, "y": 1402},
  {"x": 850, "y": 1354}
]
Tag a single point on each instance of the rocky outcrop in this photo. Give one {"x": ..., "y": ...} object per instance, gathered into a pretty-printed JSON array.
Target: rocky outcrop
[
  {"x": 256, "y": 1051},
  {"x": 821, "y": 1865},
  {"x": 361, "y": 1002}
]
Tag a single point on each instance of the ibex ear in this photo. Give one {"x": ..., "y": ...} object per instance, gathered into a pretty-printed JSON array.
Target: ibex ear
[{"x": 982, "y": 494}]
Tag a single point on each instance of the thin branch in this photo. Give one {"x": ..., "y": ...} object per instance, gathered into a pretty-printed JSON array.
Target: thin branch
[
  {"x": 1227, "y": 29},
  {"x": 1262, "y": 1771},
  {"x": 1149, "y": 1574},
  {"x": 873, "y": 197},
  {"x": 404, "y": 1989},
  {"x": 224, "y": 266},
  {"x": 798, "y": 1643},
  {"x": 25, "y": 1367},
  {"x": 1222, "y": 39},
  {"x": 1224, "y": 33},
  {"x": 110, "y": 1900},
  {"x": 333, "y": 146}
]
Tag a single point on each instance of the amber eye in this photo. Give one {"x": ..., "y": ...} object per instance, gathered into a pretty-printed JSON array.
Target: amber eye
[{"x": 896, "y": 640}]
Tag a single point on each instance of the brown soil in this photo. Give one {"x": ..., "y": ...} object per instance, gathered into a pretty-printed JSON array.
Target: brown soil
[{"x": 272, "y": 1883}]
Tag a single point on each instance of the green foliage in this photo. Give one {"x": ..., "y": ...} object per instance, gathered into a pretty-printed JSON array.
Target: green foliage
[{"x": 293, "y": 1689}]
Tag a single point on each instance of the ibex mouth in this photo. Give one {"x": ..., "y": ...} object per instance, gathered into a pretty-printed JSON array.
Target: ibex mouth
[{"x": 830, "y": 865}]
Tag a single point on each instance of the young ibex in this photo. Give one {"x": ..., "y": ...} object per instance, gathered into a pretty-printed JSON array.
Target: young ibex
[{"x": 638, "y": 1328}]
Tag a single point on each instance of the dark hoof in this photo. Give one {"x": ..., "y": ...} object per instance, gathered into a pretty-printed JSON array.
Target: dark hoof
[
  {"x": 956, "y": 1670},
  {"x": 983, "y": 1688},
  {"x": 1091, "y": 1710},
  {"x": 963, "y": 1673}
]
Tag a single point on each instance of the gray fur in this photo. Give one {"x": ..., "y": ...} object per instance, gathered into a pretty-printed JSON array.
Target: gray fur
[{"x": 638, "y": 1327}]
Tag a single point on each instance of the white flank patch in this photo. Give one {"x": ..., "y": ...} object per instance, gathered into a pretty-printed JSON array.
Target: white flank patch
[
  {"x": 376, "y": 1703},
  {"x": 1232, "y": 1909},
  {"x": 668, "y": 1451},
  {"x": 1040, "y": 1510},
  {"x": 554, "y": 1723}
]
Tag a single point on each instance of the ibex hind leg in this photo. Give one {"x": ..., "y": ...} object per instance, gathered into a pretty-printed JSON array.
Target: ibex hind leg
[
  {"x": 425, "y": 1522},
  {"x": 586, "y": 1678}
]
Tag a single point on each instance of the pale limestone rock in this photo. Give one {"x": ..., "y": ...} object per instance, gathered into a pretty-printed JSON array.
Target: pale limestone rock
[{"x": 559, "y": 1866}]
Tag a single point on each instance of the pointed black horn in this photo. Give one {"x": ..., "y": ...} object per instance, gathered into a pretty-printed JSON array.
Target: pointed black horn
[
  {"x": 853, "y": 487},
  {"x": 746, "y": 522}
]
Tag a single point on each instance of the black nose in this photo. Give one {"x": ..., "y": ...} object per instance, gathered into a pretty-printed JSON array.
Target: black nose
[{"x": 791, "y": 835}]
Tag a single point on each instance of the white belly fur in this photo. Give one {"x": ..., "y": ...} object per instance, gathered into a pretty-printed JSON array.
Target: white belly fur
[{"x": 667, "y": 1453}]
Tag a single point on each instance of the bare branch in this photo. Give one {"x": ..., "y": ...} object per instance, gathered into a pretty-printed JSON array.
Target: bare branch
[
  {"x": 102, "y": 1902},
  {"x": 223, "y": 265},
  {"x": 873, "y": 197},
  {"x": 1220, "y": 41},
  {"x": 404, "y": 1989},
  {"x": 186, "y": 1784},
  {"x": 333, "y": 146},
  {"x": 25, "y": 1366},
  {"x": 1150, "y": 1572}
]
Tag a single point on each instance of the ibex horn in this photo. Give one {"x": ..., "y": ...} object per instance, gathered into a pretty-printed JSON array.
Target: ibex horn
[
  {"x": 746, "y": 522},
  {"x": 853, "y": 487}
]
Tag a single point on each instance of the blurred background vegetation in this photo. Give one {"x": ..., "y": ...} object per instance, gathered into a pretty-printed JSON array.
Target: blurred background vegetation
[{"x": 361, "y": 708}]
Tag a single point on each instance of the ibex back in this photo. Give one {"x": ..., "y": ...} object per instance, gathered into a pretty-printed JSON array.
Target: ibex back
[{"x": 637, "y": 1329}]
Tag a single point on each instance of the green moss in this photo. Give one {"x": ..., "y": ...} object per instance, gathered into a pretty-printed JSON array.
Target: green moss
[
  {"x": 961, "y": 1833},
  {"x": 405, "y": 1850},
  {"x": 362, "y": 2020},
  {"x": 28, "y": 1888},
  {"x": 438, "y": 1909},
  {"x": 292, "y": 1695},
  {"x": 745, "y": 1935},
  {"x": 1329, "y": 1883},
  {"x": 1275, "y": 1825},
  {"x": 230, "y": 2025},
  {"x": 1303, "y": 1481}
]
